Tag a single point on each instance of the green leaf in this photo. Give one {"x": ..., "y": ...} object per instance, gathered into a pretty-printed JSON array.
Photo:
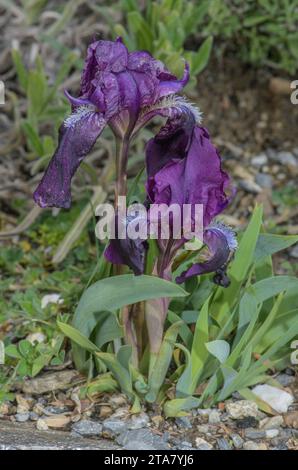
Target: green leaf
[
  {"x": 25, "y": 347},
  {"x": 33, "y": 138},
  {"x": 159, "y": 371},
  {"x": 268, "y": 244},
  {"x": 199, "y": 352},
  {"x": 20, "y": 68},
  {"x": 121, "y": 374},
  {"x": 184, "y": 332},
  {"x": 77, "y": 337},
  {"x": 12, "y": 351},
  {"x": 201, "y": 58},
  {"x": 219, "y": 349},
  {"x": 262, "y": 405},
  {"x": 224, "y": 298},
  {"x": 108, "y": 329},
  {"x": 180, "y": 406},
  {"x": 113, "y": 293}
]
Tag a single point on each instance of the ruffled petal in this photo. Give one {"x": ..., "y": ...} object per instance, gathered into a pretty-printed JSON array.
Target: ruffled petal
[
  {"x": 111, "y": 56},
  {"x": 170, "y": 84},
  {"x": 193, "y": 175},
  {"x": 172, "y": 141},
  {"x": 77, "y": 136},
  {"x": 221, "y": 243}
]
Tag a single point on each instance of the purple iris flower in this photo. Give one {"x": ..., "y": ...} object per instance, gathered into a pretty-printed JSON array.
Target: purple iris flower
[
  {"x": 183, "y": 167},
  {"x": 118, "y": 88},
  {"x": 125, "y": 90}
]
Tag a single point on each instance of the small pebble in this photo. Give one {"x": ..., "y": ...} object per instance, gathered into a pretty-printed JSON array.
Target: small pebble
[
  {"x": 41, "y": 425},
  {"x": 204, "y": 411},
  {"x": 214, "y": 417},
  {"x": 286, "y": 158},
  {"x": 242, "y": 409},
  {"x": 203, "y": 428},
  {"x": 250, "y": 445},
  {"x": 33, "y": 416},
  {"x": 284, "y": 379},
  {"x": 259, "y": 160},
  {"x": 249, "y": 422},
  {"x": 251, "y": 433},
  {"x": 22, "y": 417},
  {"x": 271, "y": 423},
  {"x": 271, "y": 433},
  {"x": 138, "y": 422},
  {"x": 223, "y": 444},
  {"x": 114, "y": 425},
  {"x": 250, "y": 186},
  {"x": 278, "y": 399},
  {"x": 87, "y": 428},
  {"x": 185, "y": 445},
  {"x": 237, "y": 441},
  {"x": 201, "y": 444},
  {"x": 264, "y": 180},
  {"x": 183, "y": 422}
]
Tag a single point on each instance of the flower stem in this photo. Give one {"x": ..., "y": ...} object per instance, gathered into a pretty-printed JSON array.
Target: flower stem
[{"x": 122, "y": 147}]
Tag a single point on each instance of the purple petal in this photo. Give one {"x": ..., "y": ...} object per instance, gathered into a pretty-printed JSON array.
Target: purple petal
[
  {"x": 128, "y": 252},
  {"x": 171, "y": 143},
  {"x": 169, "y": 86},
  {"x": 75, "y": 102},
  {"x": 89, "y": 69},
  {"x": 191, "y": 177},
  {"x": 77, "y": 136},
  {"x": 221, "y": 242},
  {"x": 111, "y": 56},
  {"x": 147, "y": 86}
]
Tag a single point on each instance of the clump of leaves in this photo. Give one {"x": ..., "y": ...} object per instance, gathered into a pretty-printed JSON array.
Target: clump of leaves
[
  {"x": 217, "y": 340},
  {"x": 260, "y": 31},
  {"x": 45, "y": 105},
  {"x": 163, "y": 28},
  {"x": 32, "y": 358}
]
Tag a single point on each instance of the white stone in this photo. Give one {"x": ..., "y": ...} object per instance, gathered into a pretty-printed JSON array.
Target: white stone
[
  {"x": 271, "y": 423},
  {"x": 250, "y": 445},
  {"x": 278, "y": 399},
  {"x": 214, "y": 417},
  {"x": 242, "y": 409},
  {"x": 271, "y": 433},
  {"x": 259, "y": 160},
  {"x": 41, "y": 425},
  {"x": 201, "y": 444}
]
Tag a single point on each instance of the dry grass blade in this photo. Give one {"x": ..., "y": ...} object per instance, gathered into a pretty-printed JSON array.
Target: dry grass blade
[{"x": 24, "y": 225}]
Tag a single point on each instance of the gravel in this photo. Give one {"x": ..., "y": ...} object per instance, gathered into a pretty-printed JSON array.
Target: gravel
[
  {"x": 183, "y": 422},
  {"x": 259, "y": 160},
  {"x": 22, "y": 417},
  {"x": 141, "y": 439},
  {"x": 237, "y": 441},
  {"x": 271, "y": 433},
  {"x": 114, "y": 425},
  {"x": 201, "y": 444},
  {"x": 252, "y": 433},
  {"x": 242, "y": 409},
  {"x": 87, "y": 428},
  {"x": 223, "y": 444},
  {"x": 264, "y": 180},
  {"x": 214, "y": 417},
  {"x": 271, "y": 423}
]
